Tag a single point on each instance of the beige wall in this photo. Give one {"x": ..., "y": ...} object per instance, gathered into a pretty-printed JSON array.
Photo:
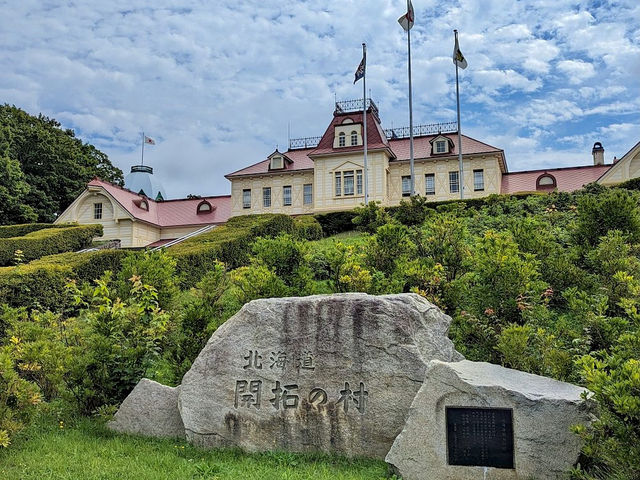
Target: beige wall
[
  {"x": 625, "y": 169},
  {"x": 385, "y": 182},
  {"x": 324, "y": 180},
  {"x": 276, "y": 181},
  {"x": 143, "y": 234},
  {"x": 441, "y": 169},
  {"x": 177, "y": 232}
]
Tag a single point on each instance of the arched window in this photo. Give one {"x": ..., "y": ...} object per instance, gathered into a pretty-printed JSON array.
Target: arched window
[
  {"x": 204, "y": 207},
  {"x": 354, "y": 138},
  {"x": 144, "y": 205},
  {"x": 546, "y": 182},
  {"x": 342, "y": 139}
]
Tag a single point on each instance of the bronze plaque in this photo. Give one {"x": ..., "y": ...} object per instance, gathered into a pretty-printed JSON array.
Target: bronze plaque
[{"x": 480, "y": 437}]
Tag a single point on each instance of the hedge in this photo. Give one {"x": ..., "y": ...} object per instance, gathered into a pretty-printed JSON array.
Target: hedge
[
  {"x": 230, "y": 243},
  {"x": 40, "y": 284},
  {"x": 336, "y": 222},
  {"x": 8, "y": 231},
  {"x": 40, "y": 243},
  {"x": 633, "y": 184},
  {"x": 307, "y": 227}
]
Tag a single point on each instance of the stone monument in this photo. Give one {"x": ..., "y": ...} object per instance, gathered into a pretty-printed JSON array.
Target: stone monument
[
  {"x": 478, "y": 421},
  {"x": 333, "y": 373}
]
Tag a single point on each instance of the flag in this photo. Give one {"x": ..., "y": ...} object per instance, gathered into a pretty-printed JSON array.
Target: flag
[
  {"x": 148, "y": 140},
  {"x": 458, "y": 58},
  {"x": 361, "y": 69},
  {"x": 406, "y": 20}
]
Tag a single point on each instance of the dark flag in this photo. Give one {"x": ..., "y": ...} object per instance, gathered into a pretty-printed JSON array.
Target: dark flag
[{"x": 360, "y": 70}]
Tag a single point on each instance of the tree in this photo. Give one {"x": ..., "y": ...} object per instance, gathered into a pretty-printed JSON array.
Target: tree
[{"x": 55, "y": 164}]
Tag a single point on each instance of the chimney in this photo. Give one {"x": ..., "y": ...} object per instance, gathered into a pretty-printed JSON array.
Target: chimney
[{"x": 598, "y": 154}]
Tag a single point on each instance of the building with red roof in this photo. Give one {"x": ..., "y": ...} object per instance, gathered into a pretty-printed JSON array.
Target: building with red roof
[
  {"x": 324, "y": 174},
  {"x": 139, "y": 221}
]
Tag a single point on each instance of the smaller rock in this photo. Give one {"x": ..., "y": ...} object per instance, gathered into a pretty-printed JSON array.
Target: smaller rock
[
  {"x": 478, "y": 421},
  {"x": 150, "y": 409}
]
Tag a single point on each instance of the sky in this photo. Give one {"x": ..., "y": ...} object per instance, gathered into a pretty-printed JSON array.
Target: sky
[{"x": 220, "y": 85}]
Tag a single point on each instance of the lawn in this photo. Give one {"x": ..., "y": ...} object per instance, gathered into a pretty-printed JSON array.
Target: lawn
[{"x": 88, "y": 451}]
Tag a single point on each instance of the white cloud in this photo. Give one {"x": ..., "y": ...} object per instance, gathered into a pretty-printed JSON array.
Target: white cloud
[{"x": 218, "y": 84}]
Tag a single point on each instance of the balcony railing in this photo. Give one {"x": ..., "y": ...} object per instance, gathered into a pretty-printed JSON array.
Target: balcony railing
[
  {"x": 354, "y": 106},
  {"x": 421, "y": 130},
  {"x": 307, "y": 142}
]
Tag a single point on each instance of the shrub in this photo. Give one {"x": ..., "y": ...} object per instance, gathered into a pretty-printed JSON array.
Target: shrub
[
  {"x": 230, "y": 243},
  {"x": 37, "y": 244},
  {"x": 307, "y": 227},
  {"x": 369, "y": 217},
  {"x": 10, "y": 231},
  {"x": 633, "y": 184},
  {"x": 612, "y": 210},
  {"x": 40, "y": 284},
  {"x": 154, "y": 268},
  {"x": 336, "y": 222},
  {"x": 412, "y": 211}
]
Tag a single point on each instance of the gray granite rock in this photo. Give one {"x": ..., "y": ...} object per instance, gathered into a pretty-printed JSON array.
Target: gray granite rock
[
  {"x": 543, "y": 410},
  {"x": 150, "y": 409},
  {"x": 333, "y": 373}
]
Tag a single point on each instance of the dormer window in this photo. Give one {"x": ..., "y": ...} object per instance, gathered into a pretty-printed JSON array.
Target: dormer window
[
  {"x": 546, "y": 182},
  {"x": 144, "y": 205},
  {"x": 277, "y": 162},
  {"x": 204, "y": 207},
  {"x": 440, "y": 145},
  {"x": 354, "y": 137},
  {"x": 342, "y": 139}
]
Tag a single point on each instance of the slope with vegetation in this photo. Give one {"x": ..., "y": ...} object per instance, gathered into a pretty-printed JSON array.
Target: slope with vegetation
[{"x": 546, "y": 284}]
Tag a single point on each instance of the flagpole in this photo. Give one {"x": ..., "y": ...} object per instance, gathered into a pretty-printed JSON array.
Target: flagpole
[
  {"x": 142, "y": 162},
  {"x": 460, "y": 166},
  {"x": 364, "y": 116},
  {"x": 413, "y": 191}
]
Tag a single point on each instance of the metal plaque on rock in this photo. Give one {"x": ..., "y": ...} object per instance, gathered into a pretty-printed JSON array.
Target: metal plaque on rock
[{"x": 480, "y": 437}]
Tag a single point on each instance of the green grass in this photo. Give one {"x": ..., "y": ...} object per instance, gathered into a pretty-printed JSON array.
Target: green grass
[
  {"x": 348, "y": 238},
  {"x": 89, "y": 451}
]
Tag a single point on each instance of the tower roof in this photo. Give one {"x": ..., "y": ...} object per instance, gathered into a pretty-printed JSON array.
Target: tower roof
[{"x": 142, "y": 181}]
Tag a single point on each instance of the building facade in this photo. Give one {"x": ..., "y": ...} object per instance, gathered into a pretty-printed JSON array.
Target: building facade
[
  {"x": 139, "y": 221},
  {"x": 327, "y": 173}
]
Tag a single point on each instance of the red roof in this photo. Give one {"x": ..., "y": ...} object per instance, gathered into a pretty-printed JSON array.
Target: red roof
[
  {"x": 422, "y": 146},
  {"x": 169, "y": 213},
  {"x": 568, "y": 179},
  {"x": 376, "y": 139}
]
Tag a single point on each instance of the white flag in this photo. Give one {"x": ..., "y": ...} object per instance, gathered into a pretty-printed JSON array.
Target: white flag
[
  {"x": 458, "y": 58},
  {"x": 148, "y": 140},
  {"x": 406, "y": 20}
]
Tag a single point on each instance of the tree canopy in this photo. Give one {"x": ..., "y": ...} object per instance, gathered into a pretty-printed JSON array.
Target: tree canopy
[{"x": 43, "y": 167}]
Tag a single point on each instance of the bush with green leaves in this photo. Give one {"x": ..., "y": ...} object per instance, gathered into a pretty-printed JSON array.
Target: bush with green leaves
[
  {"x": 20, "y": 230},
  {"x": 44, "y": 242},
  {"x": 371, "y": 216},
  {"x": 614, "y": 209},
  {"x": 307, "y": 228}
]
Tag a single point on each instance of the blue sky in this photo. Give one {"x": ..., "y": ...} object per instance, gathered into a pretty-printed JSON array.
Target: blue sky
[{"x": 217, "y": 84}]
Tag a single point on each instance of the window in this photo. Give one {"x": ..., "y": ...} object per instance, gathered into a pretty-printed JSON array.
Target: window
[
  {"x": 406, "y": 185},
  {"x": 286, "y": 195},
  {"x": 454, "y": 182},
  {"x": 203, "y": 207},
  {"x": 246, "y": 198},
  {"x": 97, "y": 211},
  {"x": 307, "y": 191},
  {"x": 441, "y": 146},
  {"x": 430, "y": 184},
  {"x": 276, "y": 163},
  {"x": 144, "y": 205},
  {"x": 348, "y": 182},
  {"x": 354, "y": 138},
  {"x": 338, "y": 184},
  {"x": 546, "y": 181},
  {"x": 359, "y": 182},
  {"x": 266, "y": 197},
  {"x": 478, "y": 180},
  {"x": 342, "y": 139}
]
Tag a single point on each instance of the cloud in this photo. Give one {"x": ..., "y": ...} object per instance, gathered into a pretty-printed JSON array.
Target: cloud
[{"x": 220, "y": 85}]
